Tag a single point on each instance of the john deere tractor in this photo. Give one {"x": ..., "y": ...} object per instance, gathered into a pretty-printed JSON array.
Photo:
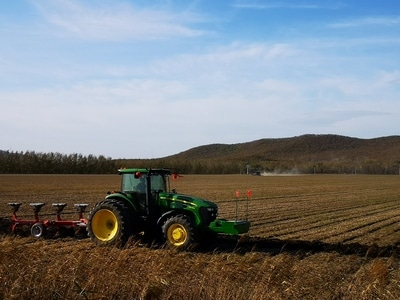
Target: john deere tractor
[{"x": 145, "y": 205}]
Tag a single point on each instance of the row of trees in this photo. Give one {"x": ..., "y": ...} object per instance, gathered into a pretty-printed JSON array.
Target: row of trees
[
  {"x": 367, "y": 166},
  {"x": 186, "y": 166},
  {"x": 31, "y": 162}
]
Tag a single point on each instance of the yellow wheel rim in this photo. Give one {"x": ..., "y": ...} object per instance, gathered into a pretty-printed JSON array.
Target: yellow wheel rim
[
  {"x": 177, "y": 235},
  {"x": 104, "y": 225}
]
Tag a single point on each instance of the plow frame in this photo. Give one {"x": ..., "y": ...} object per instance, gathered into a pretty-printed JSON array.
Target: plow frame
[{"x": 38, "y": 226}]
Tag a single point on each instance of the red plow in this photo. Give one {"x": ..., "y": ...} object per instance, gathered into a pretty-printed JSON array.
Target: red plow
[{"x": 39, "y": 227}]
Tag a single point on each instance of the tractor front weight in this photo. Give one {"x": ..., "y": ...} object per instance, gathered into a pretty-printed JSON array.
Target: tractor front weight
[{"x": 231, "y": 227}]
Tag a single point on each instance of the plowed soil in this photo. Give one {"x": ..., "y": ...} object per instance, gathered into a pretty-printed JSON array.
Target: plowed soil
[{"x": 312, "y": 237}]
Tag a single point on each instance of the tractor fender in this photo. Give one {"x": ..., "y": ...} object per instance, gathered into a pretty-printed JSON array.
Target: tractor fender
[
  {"x": 161, "y": 220},
  {"x": 122, "y": 197}
]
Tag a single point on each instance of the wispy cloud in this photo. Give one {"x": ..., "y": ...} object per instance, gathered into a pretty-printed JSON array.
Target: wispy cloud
[
  {"x": 274, "y": 5},
  {"x": 117, "y": 21},
  {"x": 297, "y": 4},
  {"x": 367, "y": 21}
]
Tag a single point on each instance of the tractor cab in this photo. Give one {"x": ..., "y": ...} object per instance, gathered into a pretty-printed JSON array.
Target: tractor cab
[
  {"x": 138, "y": 182},
  {"x": 143, "y": 186}
]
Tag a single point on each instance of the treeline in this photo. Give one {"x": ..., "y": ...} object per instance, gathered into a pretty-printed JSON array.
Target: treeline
[
  {"x": 186, "y": 166},
  {"x": 32, "y": 162},
  {"x": 203, "y": 166}
]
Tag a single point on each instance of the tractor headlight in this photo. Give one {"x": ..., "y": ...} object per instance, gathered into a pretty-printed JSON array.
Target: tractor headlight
[{"x": 208, "y": 214}]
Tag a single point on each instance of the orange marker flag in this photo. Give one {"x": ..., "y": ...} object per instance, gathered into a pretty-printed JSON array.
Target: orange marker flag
[
  {"x": 176, "y": 175},
  {"x": 237, "y": 193},
  {"x": 249, "y": 193}
]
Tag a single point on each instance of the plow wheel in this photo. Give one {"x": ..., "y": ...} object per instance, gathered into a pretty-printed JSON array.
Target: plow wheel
[
  {"x": 38, "y": 230},
  {"x": 111, "y": 222},
  {"x": 179, "y": 232}
]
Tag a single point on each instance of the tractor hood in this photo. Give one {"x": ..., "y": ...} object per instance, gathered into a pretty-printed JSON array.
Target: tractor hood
[
  {"x": 186, "y": 200},
  {"x": 203, "y": 211}
]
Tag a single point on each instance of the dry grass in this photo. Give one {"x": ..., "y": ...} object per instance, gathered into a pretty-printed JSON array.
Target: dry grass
[
  {"x": 70, "y": 269},
  {"x": 330, "y": 209}
]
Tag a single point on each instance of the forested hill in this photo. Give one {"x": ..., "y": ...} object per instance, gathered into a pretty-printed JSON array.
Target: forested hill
[
  {"x": 302, "y": 148},
  {"x": 302, "y": 154}
]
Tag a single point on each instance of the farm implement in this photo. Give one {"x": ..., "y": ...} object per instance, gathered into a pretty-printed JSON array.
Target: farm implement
[{"x": 39, "y": 227}]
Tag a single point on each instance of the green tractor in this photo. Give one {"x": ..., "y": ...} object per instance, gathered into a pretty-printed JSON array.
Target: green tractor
[{"x": 146, "y": 206}]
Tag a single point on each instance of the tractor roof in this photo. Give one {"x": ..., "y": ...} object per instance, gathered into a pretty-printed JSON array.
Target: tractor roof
[{"x": 145, "y": 171}]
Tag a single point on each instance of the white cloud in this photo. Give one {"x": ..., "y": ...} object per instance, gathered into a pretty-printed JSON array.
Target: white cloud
[
  {"x": 117, "y": 21},
  {"x": 236, "y": 62},
  {"x": 368, "y": 21},
  {"x": 273, "y": 5},
  {"x": 292, "y": 5},
  {"x": 230, "y": 94}
]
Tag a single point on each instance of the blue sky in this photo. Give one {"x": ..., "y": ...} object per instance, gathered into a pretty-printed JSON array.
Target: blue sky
[{"x": 147, "y": 79}]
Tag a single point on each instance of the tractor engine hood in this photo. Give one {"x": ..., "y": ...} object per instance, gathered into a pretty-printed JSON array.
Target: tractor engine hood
[
  {"x": 204, "y": 211},
  {"x": 188, "y": 200}
]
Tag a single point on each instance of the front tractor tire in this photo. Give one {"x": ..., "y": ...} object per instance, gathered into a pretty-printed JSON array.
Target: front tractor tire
[
  {"x": 179, "y": 232},
  {"x": 111, "y": 222}
]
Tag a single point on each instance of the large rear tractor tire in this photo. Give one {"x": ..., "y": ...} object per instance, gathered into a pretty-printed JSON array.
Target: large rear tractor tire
[
  {"x": 179, "y": 232},
  {"x": 111, "y": 222}
]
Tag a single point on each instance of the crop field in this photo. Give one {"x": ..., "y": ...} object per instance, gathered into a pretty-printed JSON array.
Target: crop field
[{"x": 312, "y": 237}]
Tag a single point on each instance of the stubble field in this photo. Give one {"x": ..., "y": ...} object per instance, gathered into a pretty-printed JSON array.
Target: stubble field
[{"x": 312, "y": 237}]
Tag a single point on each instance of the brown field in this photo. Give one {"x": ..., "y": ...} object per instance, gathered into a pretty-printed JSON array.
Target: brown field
[{"x": 312, "y": 237}]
